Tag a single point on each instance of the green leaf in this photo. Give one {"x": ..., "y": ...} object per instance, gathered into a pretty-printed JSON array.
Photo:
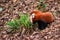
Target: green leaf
[
  {"x": 10, "y": 23},
  {"x": 44, "y": 5}
]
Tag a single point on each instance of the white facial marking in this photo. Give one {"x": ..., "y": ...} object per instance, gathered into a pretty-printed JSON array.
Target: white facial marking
[
  {"x": 31, "y": 19},
  {"x": 33, "y": 15}
]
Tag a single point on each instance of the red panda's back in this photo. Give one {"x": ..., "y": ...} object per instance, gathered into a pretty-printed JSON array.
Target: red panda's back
[{"x": 47, "y": 17}]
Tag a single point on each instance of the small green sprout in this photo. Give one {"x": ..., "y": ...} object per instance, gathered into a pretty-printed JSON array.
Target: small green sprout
[{"x": 41, "y": 5}]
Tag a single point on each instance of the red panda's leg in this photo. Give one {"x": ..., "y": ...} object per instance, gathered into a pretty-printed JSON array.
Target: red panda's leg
[{"x": 41, "y": 25}]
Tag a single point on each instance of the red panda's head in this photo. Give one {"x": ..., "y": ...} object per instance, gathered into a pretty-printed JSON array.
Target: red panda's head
[{"x": 35, "y": 15}]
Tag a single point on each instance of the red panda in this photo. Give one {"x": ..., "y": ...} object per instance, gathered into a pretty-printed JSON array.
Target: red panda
[{"x": 41, "y": 18}]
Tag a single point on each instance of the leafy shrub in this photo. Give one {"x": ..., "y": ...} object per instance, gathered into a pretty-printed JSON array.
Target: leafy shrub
[
  {"x": 24, "y": 20},
  {"x": 13, "y": 24}
]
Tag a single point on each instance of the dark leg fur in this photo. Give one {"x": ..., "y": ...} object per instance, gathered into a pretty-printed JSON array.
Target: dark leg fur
[{"x": 42, "y": 25}]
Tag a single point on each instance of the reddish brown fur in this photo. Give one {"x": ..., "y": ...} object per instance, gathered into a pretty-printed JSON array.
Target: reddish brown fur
[{"x": 46, "y": 17}]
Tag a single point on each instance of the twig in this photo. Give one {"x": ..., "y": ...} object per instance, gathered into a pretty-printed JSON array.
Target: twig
[{"x": 23, "y": 31}]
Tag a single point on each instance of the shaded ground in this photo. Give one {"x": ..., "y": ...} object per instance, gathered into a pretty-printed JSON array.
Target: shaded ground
[{"x": 11, "y": 10}]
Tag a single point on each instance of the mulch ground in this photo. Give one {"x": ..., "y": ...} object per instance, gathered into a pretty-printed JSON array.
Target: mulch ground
[{"x": 10, "y": 10}]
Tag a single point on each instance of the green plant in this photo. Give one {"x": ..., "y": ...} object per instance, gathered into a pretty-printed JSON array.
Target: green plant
[
  {"x": 41, "y": 5},
  {"x": 25, "y": 21},
  {"x": 13, "y": 24},
  {"x": 16, "y": 23}
]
